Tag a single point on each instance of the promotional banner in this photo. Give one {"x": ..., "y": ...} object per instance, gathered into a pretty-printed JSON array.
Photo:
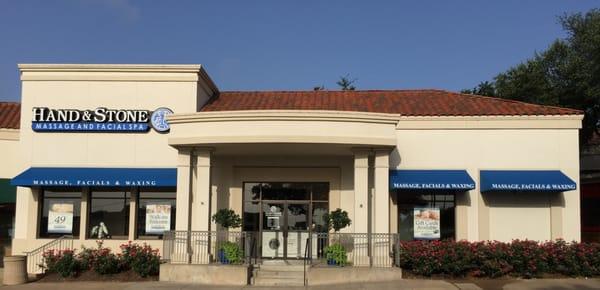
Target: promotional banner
[
  {"x": 60, "y": 218},
  {"x": 158, "y": 218},
  {"x": 426, "y": 223}
]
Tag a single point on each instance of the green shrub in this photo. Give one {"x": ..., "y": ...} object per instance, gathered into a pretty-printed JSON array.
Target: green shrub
[
  {"x": 337, "y": 253},
  {"x": 106, "y": 262},
  {"x": 227, "y": 218},
  {"x": 518, "y": 258},
  {"x": 62, "y": 262},
  {"x": 232, "y": 252},
  {"x": 143, "y": 260}
]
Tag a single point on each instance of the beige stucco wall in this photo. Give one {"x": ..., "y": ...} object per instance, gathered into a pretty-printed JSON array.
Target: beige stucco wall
[
  {"x": 9, "y": 146},
  {"x": 509, "y": 143},
  {"x": 295, "y": 146},
  {"x": 182, "y": 88}
]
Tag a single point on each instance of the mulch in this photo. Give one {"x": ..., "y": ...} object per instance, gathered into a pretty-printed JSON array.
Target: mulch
[{"x": 128, "y": 276}]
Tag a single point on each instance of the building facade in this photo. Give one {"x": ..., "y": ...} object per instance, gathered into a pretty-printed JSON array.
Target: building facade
[
  {"x": 9, "y": 146},
  {"x": 127, "y": 152}
]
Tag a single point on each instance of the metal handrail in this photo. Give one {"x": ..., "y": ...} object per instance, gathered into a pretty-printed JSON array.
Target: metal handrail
[
  {"x": 34, "y": 257},
  {"x": 306, "y": 258}
]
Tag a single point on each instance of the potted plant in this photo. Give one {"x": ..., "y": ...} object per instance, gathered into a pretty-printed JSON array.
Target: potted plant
[
  {"x": 336, "y": 253},
  {"x": 228, "y": 251}
]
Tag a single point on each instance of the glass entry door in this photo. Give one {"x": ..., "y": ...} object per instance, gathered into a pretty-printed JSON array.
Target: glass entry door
[
  {"x": 284, "y": 229},
  {"x": 281, "y": 215}
]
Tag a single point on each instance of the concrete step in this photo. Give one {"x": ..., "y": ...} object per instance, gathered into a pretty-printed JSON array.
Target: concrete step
[
  {"x": 278, "y": 282},
  {"x": 280, "y": 274},
  {"x": 291, "y": 268}
]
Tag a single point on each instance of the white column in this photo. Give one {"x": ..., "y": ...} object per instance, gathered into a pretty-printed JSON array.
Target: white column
[
  {"x": 183, "y": 202},
  {"x": 201, "y": 197},
  {"x": 83, "y": 219},
  {"x": 133, "y": 213},
  {"x": 381, "y": 224},
  {"x": 361, "y": 190}
]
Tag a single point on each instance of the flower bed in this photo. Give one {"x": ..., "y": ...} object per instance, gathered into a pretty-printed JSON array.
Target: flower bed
[
  {"x": 518, "y": 258},
  {"x": 141, "y": 259}
]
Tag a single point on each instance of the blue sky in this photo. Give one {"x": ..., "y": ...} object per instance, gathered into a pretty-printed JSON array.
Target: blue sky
[{"x": 286, "y": 45}]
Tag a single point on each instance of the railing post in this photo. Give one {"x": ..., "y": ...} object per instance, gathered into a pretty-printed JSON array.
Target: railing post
[
  {"x": 369, "y": 249},
  {"x": 188, "y": 243}
]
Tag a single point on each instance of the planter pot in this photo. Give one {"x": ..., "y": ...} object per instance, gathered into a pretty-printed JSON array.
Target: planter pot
[
  {"x": 223, "y": 258},
  {"x": 15, "y": 270},
  {"x": 331, "y": 262}
]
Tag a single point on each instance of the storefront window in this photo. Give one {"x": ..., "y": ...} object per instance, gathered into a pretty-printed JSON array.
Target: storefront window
[
  {"x": 426, "y": 215},
  {"x": 60, "y": 212},
  {"x": 109, "y": 214},
  {"x": 156, "y": 212}
]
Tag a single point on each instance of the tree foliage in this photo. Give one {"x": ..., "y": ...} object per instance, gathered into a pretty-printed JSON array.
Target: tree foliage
[
  {"x": 227, "y": 218},
  {"x": 566, "y": 74},
  {"x": 346, "y": 83},
  {"x": 338, "y": 219}
]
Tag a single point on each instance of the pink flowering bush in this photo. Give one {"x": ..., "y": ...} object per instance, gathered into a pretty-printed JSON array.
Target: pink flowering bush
[
  {"x": 62, "y": 262},
  {"x": 520, "y": 258},
  {"x": 142, "y": 259}
]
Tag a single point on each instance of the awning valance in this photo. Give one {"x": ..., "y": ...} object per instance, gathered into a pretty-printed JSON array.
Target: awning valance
[
  {"x": 525, "y": 180},
  {"x": 76, "y": 176},
  {"x": 431, "y": 179}
]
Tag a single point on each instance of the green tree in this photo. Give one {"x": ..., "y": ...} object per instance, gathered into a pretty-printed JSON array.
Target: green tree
[
  {"x": 338, "y": 219},
  {"x": 346, "y": 83},
  {"x": 227, "y": 218},
  {"x": 566, "y": 74}
]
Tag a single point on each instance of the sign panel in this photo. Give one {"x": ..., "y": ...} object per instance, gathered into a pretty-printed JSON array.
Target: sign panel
[
  {"x": 99, "y": 120},
  {"x": 426, "y": 223},
  {"x": 158, "y": 218},
  {"x": 60, "y": 218}
]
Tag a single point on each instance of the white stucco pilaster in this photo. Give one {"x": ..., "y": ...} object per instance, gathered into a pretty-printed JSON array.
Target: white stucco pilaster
[
  {"x": 183, "y": 202},
  {"x": 361, "y": 190},
  {"x": 382, "y": 191},
  {"x": 201, "y": 196}
]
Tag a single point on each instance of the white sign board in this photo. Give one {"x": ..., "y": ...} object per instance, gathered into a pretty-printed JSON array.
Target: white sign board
[
  {"x": 426, "y": 223},
  {"x": 158, "y": 218},
  {"x": 60, "y": 218}
]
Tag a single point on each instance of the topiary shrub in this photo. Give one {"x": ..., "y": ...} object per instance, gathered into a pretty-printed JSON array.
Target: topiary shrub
[
  {"x": 227, "y": 218},
  {"x": 338, "y": 219}
]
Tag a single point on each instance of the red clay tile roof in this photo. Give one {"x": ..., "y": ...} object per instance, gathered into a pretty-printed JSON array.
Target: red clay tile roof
[
  {"x": 405, "y": 102},
  {"x": 10, "y": 115}
]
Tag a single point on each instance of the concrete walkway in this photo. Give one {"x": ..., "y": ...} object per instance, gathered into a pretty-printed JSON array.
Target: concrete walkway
[{"x": 551, "y": 284}]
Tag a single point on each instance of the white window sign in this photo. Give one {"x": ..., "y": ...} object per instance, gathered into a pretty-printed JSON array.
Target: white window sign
[
  {"x": 426, "y": 223},
  {"x": 60, "y": 218},
  {"x": 158, "y": 218}
]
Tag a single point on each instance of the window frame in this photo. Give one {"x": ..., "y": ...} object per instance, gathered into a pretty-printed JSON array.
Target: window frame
[
  {"x": 124, "y": 190},
  {"x": 41, "y": 201},
  {"x": 138, "y": 204},
  {"x": 407, "y": 204}
]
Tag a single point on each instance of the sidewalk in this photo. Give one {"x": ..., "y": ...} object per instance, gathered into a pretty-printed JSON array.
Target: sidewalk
[{"x": 550, "y": 284}]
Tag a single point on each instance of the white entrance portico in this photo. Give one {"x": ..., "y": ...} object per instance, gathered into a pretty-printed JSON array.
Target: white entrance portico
[{"x": 214, "y": 148}]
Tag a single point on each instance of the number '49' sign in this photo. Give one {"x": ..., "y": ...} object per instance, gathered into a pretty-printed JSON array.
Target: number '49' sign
[{"x": 60, "y": 218}]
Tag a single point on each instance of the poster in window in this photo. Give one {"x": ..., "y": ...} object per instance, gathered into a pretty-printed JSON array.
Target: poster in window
[
  {"x": 60, "y": 218},
  {"x": 158, "y": 218},
  {"x": 426, "y": 223}
]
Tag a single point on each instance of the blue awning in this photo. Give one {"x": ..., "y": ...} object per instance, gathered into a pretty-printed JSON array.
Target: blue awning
[
  {"x": 431, "y": 179},
  {"x": 75, "y": 176},
  {"x": 525, "y": 180}
]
